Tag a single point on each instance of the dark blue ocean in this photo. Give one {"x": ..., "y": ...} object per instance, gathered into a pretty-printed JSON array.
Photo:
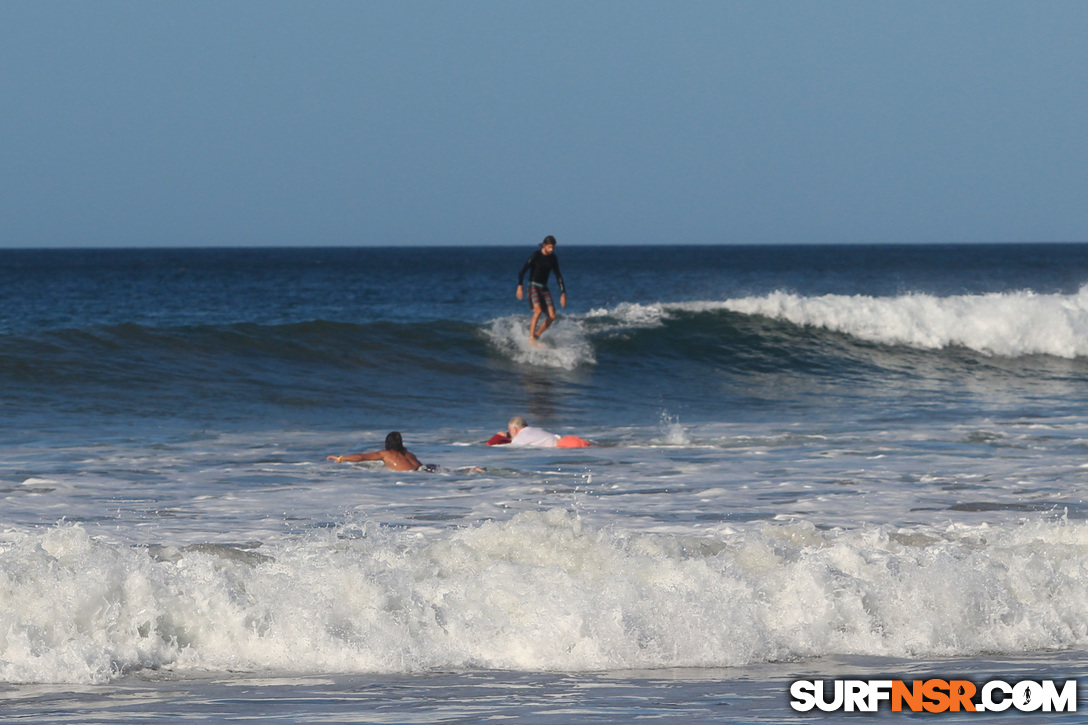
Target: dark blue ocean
[
  {"x": 854, "y": 460},
  {"x": 336, "y": 339}
]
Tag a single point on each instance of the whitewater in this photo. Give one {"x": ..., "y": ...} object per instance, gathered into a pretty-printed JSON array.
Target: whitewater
[
  {"x": 541, "y": 591},
  {"x": 1011, "y": 324}
]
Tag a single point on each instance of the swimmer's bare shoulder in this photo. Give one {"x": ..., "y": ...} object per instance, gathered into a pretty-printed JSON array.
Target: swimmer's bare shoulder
[{"x": 399, "y": 461}]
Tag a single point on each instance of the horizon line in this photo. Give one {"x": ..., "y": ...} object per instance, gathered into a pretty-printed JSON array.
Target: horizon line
[{"x": 486, "y": 245}]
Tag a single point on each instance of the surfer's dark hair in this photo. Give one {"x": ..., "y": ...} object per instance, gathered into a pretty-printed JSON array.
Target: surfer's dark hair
[
  {"x": 548, "y": 240},
  {"x": 393, "y": 442}
]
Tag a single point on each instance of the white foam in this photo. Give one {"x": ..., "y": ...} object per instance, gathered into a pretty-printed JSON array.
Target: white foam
[
  {"x": 541, "y": 591},
  {"x": 565, "y": 345},
  {"x": 631, "y": 315},
  {"x": 1007, "y": 324}
]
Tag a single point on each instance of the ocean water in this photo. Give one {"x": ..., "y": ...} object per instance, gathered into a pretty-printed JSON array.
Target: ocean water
[{"x": 809, "y": 461}]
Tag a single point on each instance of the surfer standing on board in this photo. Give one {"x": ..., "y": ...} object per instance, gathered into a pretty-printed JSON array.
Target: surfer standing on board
[{"x": 541, "y": 264}]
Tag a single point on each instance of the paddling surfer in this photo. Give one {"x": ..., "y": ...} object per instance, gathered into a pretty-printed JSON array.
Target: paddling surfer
[
  {"x": 520, "y": 433},
  {"x": 539, "y": 266},
  {"x": 394, "y": 455}
]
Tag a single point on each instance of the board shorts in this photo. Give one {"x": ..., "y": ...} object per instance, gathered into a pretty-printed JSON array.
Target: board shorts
[{"x": 540, "y": 297}]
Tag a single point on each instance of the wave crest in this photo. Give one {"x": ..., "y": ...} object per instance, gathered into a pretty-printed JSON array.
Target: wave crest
[{"x": 1008, "y": 324}]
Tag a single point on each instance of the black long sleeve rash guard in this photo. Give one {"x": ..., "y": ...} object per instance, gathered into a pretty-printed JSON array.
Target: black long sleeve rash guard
[{"x": 539, "y": 266}]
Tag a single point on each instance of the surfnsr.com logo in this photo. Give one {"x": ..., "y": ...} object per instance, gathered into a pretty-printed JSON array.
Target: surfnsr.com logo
[{"x": 934, "y": 695}]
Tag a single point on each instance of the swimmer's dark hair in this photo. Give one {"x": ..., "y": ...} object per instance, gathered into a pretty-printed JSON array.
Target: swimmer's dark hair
[
  {"x": 393, "y": 442},
  {"x": 548, "y": 240}
]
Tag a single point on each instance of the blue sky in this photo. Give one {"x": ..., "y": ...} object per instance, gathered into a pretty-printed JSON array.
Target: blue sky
[{"x": 393, "y": 123}]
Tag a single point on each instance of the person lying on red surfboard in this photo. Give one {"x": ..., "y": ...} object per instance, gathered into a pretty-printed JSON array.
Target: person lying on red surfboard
[{"x": 519, "y": 433}]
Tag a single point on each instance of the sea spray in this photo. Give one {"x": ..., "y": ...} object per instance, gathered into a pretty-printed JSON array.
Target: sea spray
[{"x": 672, "y": 432}]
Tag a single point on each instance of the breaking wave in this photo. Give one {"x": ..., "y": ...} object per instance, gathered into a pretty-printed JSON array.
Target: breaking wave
[
  {"x": 542, "y": 591},
  {"x": 1009, "y": 324}
]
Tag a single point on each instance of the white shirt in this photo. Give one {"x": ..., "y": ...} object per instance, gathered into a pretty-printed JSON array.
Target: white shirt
[{"x": 531, "y": 436}]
